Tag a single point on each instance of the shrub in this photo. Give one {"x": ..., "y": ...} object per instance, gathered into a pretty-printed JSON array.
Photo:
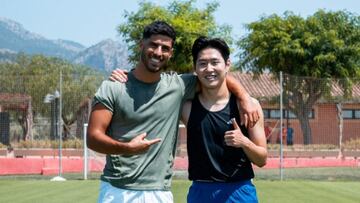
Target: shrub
[
  {"x": 352, "y": 144},
  {"x": 2, "y": 146},
  {"x": 299, "y": 147},
  {"x": 75, "y": 143}
]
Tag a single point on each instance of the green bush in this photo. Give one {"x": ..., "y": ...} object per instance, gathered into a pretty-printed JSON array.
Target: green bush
[
  {"x": 297, "y": 147},
  {"x": 352, "y": 144},
  {"x": 71, "y": 144},
  {"x": 2, "y": 146}
]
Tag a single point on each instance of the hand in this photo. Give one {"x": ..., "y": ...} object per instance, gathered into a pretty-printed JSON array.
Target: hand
[
  {"x": 140, "y": 144},
  {"x": 235, "y": 138},
  {"x": 250, "y": 112},
  {"x": 119, "y": 75}
]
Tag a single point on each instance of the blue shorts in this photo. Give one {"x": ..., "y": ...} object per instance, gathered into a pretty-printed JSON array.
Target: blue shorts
[{"x": 215, "y": 192}]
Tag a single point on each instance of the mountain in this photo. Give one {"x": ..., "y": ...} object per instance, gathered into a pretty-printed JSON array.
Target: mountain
[
  {"x": 106, "y": 55},
  {"x": 69, "y": 45},
  {"x": 14, "y": 38}
]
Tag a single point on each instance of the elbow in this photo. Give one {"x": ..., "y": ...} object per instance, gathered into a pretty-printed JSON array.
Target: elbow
[
  {"x": 262, "y": 161},
  {"x": 89, "y": 141}
]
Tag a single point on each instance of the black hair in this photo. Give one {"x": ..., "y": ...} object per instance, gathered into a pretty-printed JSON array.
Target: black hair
[
  {"x": 161, "y": 28},
  {"x": 216, "y": 43}
]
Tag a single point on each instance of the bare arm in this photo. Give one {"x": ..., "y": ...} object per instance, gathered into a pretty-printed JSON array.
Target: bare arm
[
  {"x": 251, "y": 112},
  {"x": 121, "y": 76},
  {"x": 254, "y": 146},
  {"x": 185, "y": 113},
  {"x": 97, "y": 140}
]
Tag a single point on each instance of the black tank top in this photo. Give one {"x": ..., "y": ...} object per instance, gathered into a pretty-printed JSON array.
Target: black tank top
[{"x": 209, "y": 158}]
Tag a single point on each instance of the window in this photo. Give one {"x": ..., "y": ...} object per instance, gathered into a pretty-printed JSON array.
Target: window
[
  {"x": 275, "y": 114},
  {"x": 266, "y": 113},
  {"x": 347, "y": 114},
  {"x": 357, "y": 114},
  {"x": 351, "y": 113},
  {"x": 312, "y": 114},
  {"x": 291, "y": 114}
]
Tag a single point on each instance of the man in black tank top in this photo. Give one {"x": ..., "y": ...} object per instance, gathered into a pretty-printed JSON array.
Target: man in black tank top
[{"x": 220, "y": 152}]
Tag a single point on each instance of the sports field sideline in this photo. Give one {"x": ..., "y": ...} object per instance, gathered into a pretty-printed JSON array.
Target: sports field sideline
[{"x": 318, "y": 185}]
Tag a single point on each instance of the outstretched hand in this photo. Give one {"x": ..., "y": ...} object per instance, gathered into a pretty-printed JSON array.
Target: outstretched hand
[
  {"x": 119, "y": 75},
  {"x": 140, "y": 144},
  {"x": 235, "y": 138}
]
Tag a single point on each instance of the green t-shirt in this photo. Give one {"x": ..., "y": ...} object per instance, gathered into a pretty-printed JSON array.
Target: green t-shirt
[{"x": 140, "y": 107}]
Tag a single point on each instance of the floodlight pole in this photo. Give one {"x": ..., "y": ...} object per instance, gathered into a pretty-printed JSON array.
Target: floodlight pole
[{"x": 55, "y": 99}]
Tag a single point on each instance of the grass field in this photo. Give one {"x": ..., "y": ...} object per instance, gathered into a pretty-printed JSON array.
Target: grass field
[
  {"x": 77, "y": 191},
  {"x": 340, "y": 187}
]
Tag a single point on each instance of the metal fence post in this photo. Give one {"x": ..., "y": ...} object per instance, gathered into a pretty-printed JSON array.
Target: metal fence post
[
  {"x": 85, "y": 152},
  {"x": 281, "y": 126}
]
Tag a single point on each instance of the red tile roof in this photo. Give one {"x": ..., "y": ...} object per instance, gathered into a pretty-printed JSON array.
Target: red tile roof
[
  {"x": 14, "y": 101},
  {"x": 266, "y": 86},
  {"x": 337, "y": 91},
  {"x": 262, "y": 86},
  {"x": 14, "y": 97}
]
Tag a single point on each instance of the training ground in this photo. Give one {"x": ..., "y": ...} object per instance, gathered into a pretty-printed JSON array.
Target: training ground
[{"x": 46, "y": 162}]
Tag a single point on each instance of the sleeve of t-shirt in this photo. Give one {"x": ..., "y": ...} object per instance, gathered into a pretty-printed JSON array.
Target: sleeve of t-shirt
[
  {"x": 189, "y": 82},
  {"x": 107, "y": 94}
]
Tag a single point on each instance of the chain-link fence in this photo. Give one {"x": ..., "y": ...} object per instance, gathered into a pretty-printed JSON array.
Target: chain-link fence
[
  {"x": 323, "y": 111},
  {"x": 36, "y": 111},
  {"x": 309, "y": 122},
  {"x": 316, "y": 113},
  {"x": 32, "y": 106},
  {"x": 313, "y": 118}
]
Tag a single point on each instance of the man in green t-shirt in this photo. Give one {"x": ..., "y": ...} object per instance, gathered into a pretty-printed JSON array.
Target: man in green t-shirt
[{"x": 135, "y": 123}]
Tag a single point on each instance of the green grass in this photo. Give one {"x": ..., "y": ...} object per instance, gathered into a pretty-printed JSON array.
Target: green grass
[
  {"x": 321, "y": 174},
  {"x": 308, "y": 191},
  {"x": 37, "y": 191},
  {"x": 300, "y": 185}
]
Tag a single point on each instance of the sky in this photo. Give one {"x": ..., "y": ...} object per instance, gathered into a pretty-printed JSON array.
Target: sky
[{"x": 91, "y": 21}]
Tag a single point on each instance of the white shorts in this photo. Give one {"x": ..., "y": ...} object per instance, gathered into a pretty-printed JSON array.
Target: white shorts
[{"x": 111, "y": 194}]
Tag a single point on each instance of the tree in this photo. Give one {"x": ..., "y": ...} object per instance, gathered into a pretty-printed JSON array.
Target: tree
[
  {"x": 39, "y": 75},
  {"x": 189, "y": 23},
  {"x": 324, "y": 45},
  {"x": 79, "y": 85}
]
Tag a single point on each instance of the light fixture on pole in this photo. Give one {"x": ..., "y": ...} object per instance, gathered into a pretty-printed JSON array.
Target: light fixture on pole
[{"x": 54, "y": 100}]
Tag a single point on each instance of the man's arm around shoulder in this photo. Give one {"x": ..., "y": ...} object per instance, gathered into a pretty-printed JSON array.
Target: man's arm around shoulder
[
  {"x": 257, "y": 148},
  {"x": 250, "y": 111}
]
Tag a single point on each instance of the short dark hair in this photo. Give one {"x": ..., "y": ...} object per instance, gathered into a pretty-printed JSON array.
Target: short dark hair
[
  {"x": 159, "y": 28},
  {"x": 216, "y": 43}
]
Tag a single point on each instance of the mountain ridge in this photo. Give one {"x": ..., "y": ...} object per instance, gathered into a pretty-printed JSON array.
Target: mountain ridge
[{"x": 105, "y": 55}]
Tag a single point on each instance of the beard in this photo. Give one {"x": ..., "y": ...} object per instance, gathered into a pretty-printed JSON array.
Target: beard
[{"x": 145, "y": 61}]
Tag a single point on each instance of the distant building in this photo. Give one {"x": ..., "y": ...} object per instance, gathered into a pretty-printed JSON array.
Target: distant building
[
  {"x": 15, "y": 102},
  {"x": 324, "y": 121}
]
